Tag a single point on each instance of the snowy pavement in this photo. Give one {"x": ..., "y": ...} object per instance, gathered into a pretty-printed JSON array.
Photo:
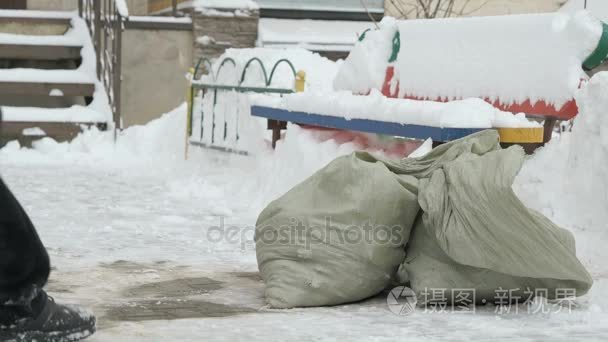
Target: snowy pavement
[{"x": 137, "y": 242}]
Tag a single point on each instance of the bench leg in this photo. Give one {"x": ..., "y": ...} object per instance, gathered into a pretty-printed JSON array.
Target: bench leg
[
  {"x": 276, "y": 136},
  {"x": 276, "y": 127},
  {"x": 549, "y": 125}
]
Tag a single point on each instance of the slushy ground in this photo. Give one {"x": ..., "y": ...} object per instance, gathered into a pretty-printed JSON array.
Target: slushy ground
[{"x": 132, "y": 233}]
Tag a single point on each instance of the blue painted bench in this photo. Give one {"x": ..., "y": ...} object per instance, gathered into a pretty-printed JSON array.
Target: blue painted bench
[
  {"x": 278, "y": 117},
  {"x": 529, "y": 138}
]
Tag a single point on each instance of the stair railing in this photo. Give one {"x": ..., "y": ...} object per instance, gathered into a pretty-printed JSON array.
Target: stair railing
[{"x": 106, "y": 22}]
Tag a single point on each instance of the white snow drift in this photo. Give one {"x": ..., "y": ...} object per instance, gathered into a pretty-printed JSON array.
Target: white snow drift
[
  {"x": 469, "y": 113},
  {"x": 508, "y": 58}
]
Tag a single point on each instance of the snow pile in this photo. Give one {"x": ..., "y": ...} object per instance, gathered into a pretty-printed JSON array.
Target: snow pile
[
  {"x": 589, "y": 148},
  {"x": 507, "y": 58},
  {"x": 296, "y": 157},
  {"x": 159, "y": 147},
  {"x": 598, "y": 8},
  {"x": 161, "y": 140},
  {"x": 365, "y": 67},
  {"x": 566, "y": 180},
  {"x": 469, "y": 113}
]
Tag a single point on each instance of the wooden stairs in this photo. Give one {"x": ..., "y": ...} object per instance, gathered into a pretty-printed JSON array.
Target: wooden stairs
[{"x": 42, "y": 87}]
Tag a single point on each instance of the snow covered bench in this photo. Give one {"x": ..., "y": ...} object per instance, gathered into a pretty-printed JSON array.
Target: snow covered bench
[
  {"x": 375, "y": 113},
  {"x": 531, "y": 64},
  {"x": 362, "y": 125}
]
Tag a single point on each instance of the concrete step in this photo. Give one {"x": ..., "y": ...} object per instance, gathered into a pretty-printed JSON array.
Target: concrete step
[
  {"x": 62, "y": 124},
  {"x": 34, "y": 22},
  {"x": 28, "y": 132},
  {"x": 39, "y": 52},
  {"x": 47, "y": 88},
  {"x": 36, "y": 17},
  {"x": 43, "y": 92}
]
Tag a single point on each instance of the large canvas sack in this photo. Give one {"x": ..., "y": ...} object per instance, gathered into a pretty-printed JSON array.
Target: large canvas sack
[
  {"x": 476, "y": 234},
  {"x": 338, "y": 237},
  {"x": 472, "y": 231}
]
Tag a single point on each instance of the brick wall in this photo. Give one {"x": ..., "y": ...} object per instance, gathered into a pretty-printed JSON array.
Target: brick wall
[{"x": 217, "y": 31}]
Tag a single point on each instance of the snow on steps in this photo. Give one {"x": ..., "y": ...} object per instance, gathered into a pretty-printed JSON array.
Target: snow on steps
[
  {"x": 73, "y": 46},
  {"x": 39, "y": 52},
  {"x": 59, "y": 131},
  {"x": 76, "y": 114},
  {"x": 39, "y": 47},
  {"x": 43, "y": 82},
  {"x": 62, "y": 124},
  {"x": 35, "y": 17}
]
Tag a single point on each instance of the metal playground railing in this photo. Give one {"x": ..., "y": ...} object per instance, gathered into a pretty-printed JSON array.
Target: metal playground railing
[{"x": 216, "y": 110}]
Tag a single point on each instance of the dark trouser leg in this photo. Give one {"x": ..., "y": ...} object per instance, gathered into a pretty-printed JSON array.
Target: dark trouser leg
[{"x": 24, "y": 262}]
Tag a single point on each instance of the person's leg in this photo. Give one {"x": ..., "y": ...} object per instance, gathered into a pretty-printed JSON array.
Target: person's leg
[
  {"x": 24, "y": 263},
  {"x": 26, "y": 312}
]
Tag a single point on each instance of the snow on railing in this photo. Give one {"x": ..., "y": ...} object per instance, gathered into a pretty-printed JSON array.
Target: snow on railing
[
  {"x": 122, "y": 8},
  {"x": 105, "y": 20}
]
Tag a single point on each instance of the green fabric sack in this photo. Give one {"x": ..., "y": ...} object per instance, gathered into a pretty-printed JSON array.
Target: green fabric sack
[
  {"x": 469, "y": 230},
  {"x": 316, "y": 246},
  {"x": 475, "y": 233}
]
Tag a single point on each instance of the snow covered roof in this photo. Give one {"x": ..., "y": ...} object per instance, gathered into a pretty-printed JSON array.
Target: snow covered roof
[
  {"x": 505, "y": 59},
  {"x": 599, "y": 8},
  {"x": 315, "y": 35},
  {"x": 374, "y": 6},
  {"x": 221, "y": 4}
]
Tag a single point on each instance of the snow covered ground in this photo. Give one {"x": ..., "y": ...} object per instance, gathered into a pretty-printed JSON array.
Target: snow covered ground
[{"x": 133, "y": 233}]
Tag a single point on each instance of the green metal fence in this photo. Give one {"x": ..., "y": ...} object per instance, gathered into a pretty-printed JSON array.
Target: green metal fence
[{"x": 210, "y": 87}]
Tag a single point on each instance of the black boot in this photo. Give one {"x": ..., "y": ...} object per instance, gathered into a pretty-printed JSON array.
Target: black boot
[{"x": 43, "y": 320}]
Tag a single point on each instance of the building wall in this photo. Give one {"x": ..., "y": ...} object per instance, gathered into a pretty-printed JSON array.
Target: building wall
[
  {"x": 136, "y": 7},
  {"x": 154, "y": 6},
  {"x": 217, "y": 31},
  {"x": 331, "y": 5},
  {"x": 155, "y": 63},
  {"x": 54, "y": 5},
  {"x": 491, "y": 7}
]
